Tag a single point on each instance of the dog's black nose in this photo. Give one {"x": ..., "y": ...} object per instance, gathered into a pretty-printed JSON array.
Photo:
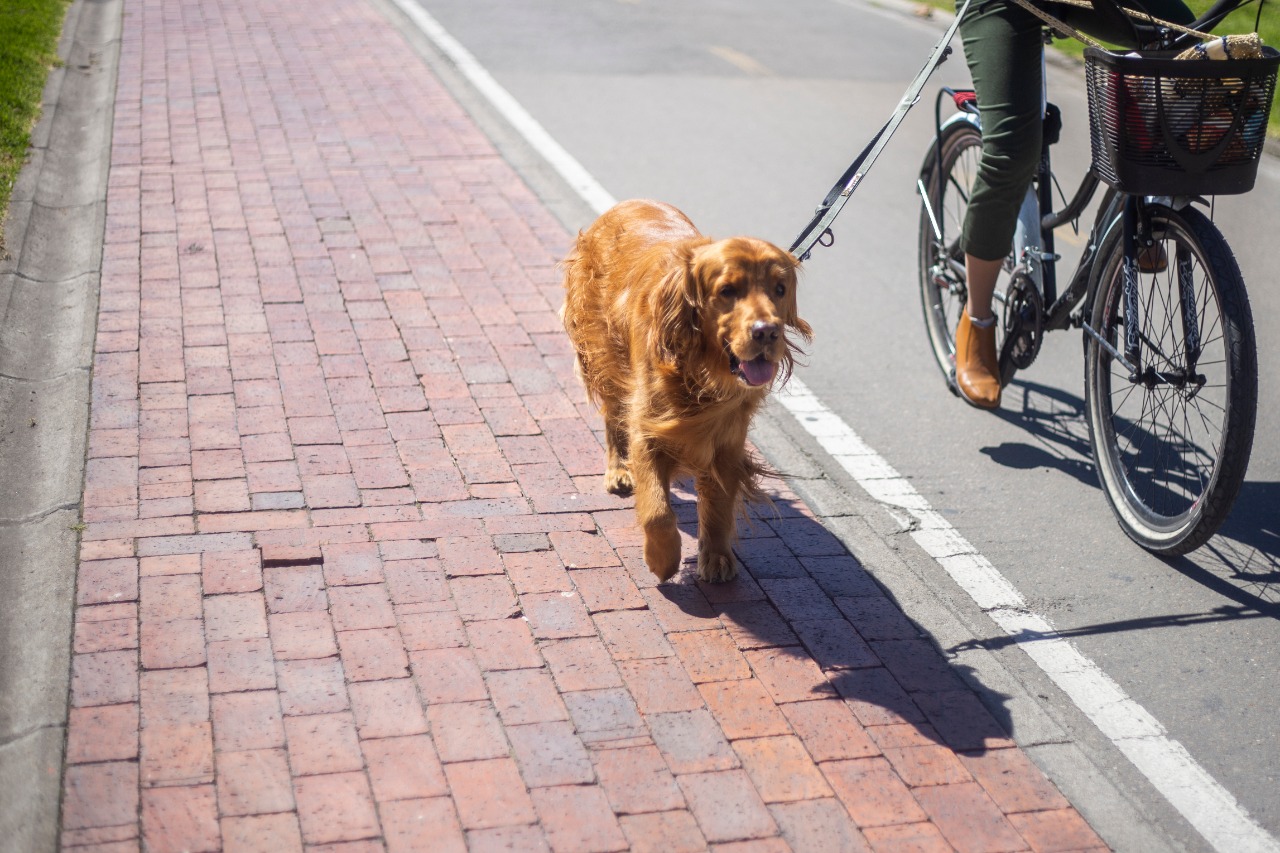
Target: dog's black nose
[{"x": 760, "y": 330}]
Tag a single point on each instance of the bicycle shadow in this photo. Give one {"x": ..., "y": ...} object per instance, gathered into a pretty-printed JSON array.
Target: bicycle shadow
[
  {"x": 1241, "y": 563},
  {"x": 1056, "y": 420},
  {"x": 814, "y": 625},
  {"x": 1222, "y": 613}
]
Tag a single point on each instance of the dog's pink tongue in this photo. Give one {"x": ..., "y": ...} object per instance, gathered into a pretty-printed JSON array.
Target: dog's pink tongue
[{"x": 758, "y": 371}]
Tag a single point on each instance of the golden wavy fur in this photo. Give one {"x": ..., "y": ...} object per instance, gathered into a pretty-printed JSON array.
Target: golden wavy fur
[{"x": 679, "y": 339}]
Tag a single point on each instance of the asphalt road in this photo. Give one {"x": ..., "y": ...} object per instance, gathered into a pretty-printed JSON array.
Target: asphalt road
[{"x": 742, "y": 113}]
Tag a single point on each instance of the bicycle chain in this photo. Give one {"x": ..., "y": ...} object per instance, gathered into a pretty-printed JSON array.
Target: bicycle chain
[{"x": 1023, "y": 323}]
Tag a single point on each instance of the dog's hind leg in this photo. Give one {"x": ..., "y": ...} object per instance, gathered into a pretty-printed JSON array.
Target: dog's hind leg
[
  {"x": 617, "y": 473},
  {"x": 652, "y": 471}
]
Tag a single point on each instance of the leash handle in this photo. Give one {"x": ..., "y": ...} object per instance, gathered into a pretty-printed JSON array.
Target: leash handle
[{"x": 852, "y": 177}]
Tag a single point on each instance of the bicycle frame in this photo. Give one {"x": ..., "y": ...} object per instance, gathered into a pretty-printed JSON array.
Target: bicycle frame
[
  {"x": 1171, "y": 414},
  {"x": 1034, "y": 249}
]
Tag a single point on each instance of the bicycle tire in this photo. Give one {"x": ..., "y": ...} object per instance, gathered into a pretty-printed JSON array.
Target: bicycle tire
[
  {"x": 943, "y": 299},
  {"x": 1171, "y": 460}
]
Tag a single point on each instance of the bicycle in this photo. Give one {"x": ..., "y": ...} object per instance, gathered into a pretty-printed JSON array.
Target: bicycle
[{"x": 1170, "y": 363}]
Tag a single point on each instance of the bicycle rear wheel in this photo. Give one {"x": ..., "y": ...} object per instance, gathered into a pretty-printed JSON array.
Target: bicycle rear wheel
[
  {"x": 1171, "y": 446},
  {"x": 943, "y": 291}
]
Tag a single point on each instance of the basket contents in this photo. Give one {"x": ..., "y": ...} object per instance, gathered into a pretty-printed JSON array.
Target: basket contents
[
  {"x": 1226, "y": 47},
  {"x": 1165, "y": 124},
  {"x": 1205, "y": 126}
]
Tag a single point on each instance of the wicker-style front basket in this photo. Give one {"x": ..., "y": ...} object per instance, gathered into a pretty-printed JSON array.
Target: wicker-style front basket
[{"x": 1165, "y": 126}]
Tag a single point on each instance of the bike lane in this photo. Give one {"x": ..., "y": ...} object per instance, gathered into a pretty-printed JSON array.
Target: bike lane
[{"x": 347, "y": 575}]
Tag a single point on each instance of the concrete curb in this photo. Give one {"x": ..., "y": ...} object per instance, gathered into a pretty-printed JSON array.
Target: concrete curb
[{"x": 48, "y": 317}]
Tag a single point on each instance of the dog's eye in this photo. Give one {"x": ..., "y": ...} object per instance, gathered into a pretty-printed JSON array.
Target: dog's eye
[
  {"x": 781, "y": 289},
  {"x": 728, "y": 291}
]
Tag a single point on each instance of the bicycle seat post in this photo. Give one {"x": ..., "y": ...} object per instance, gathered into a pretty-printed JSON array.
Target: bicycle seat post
[{"x": 1044, "y": 189}]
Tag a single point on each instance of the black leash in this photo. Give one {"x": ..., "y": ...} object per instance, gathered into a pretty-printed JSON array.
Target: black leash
[{"x": 818, "y": 231}]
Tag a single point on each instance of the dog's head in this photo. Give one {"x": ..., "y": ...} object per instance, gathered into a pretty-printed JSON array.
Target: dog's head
[{"x": 729, "y": 304}]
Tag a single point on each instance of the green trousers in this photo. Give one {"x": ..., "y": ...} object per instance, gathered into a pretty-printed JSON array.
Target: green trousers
[{"x": 1002, "y": 45}]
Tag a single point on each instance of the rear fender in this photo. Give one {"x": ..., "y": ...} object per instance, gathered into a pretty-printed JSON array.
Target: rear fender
[{"x": 948, "y": 127}]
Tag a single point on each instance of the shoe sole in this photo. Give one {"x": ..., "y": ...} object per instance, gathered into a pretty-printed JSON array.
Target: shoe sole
[{"x": 954, "y": 387}]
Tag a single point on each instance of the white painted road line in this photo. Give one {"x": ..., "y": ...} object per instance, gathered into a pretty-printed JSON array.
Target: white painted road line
[
  {"x": 509, "y": 108},
  {"x": 1206, "y": 805}
]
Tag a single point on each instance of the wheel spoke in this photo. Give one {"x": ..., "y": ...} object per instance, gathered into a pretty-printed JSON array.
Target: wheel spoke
[
  {"x": 1168, "y": 455},
  {"x": 949, "y": 193}
]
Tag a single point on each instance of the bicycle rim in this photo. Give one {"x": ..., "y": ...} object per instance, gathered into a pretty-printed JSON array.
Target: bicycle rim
[
  {"x": 942, "y": 285},
  {"x": 1171, "y": 455}
]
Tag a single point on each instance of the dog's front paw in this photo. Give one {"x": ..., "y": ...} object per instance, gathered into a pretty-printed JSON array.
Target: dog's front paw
[
  {"x": 662, "y": 551},
  {"x": 717, "y": 566},
  {"x": 617, "y": 481}
]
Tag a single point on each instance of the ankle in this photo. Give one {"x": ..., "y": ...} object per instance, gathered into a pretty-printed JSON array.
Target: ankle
[{"x": 984, "y": 323}]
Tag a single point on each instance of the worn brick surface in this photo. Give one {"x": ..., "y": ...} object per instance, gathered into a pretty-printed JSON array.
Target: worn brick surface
[
  {"x": 637, "y": 779},
  {"x": 467, "y": 731},
  {"x": 578, "y": 819},
  {"x": 781, "y": 769},
  {"x": 818, "y": 824},
  {"x": 727, "y": 806},
  {"x": 489, "y": 793},
  {"x": 254, "y": 782},
  {"x": 348, "y": 580}
]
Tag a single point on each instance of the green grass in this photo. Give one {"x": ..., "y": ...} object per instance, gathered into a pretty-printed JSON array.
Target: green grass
[
  {"x": 29, "y": 31},
  {"x": 1240, "y": 21}
]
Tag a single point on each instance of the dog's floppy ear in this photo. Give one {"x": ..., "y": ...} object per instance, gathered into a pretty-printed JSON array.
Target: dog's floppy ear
[
  {"x": 804, "y": 329},
  {"x": 792, "y": 316},
  {"x": 674, "y": 303}
]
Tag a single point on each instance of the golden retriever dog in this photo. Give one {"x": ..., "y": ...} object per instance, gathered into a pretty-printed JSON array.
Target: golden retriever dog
[{"x": 679, "y": 339}]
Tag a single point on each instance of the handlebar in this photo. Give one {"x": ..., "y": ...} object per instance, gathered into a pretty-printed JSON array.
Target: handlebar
[
  {"x": 1210, "y": 19},
  {"x": 1146, "y": 34}
]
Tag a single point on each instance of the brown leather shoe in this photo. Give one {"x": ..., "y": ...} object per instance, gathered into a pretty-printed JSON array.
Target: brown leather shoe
[{"x": 977, "y": 366}]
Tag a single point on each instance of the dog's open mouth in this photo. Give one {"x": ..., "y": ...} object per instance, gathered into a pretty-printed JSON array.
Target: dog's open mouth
[{"x": 757, "y": 371}]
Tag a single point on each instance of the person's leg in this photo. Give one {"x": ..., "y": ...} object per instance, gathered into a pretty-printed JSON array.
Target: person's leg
[
  {"x": 1002, "y": 46},
  {"x": 981, "y": 277}
]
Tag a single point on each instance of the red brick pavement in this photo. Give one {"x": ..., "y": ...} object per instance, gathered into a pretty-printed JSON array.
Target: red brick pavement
[{"x": 348, "y": 581}]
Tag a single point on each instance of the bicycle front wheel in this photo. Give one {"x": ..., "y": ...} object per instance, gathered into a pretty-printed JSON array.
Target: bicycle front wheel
[
  {"x": 943, "y": 291},
  {"x": 1171, "y": 444}
]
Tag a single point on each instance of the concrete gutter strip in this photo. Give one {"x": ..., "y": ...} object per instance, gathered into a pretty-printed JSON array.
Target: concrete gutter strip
[{"x": 48, "y": 316}]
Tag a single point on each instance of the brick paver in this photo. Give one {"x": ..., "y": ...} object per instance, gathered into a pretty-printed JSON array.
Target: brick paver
[{"x": 348, "y": 577}]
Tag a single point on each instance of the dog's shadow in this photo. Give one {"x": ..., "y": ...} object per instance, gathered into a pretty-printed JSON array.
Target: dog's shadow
[{"x": 813, "y": 624}]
